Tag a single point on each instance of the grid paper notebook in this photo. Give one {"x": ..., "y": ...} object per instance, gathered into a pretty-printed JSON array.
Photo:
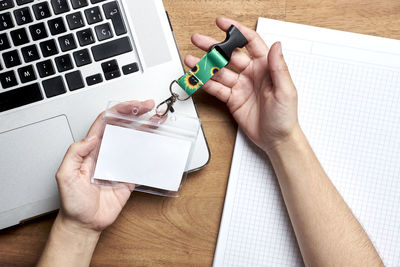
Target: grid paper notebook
[{"x": 349, "y": 109}]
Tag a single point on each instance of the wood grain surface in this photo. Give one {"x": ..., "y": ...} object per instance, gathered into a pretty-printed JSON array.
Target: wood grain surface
[{"x": 181, "y": 231}]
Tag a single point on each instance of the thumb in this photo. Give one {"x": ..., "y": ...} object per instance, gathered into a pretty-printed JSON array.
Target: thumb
[
  {"x": 76, "y": 154},
  {"x": 279, "y": 71}
]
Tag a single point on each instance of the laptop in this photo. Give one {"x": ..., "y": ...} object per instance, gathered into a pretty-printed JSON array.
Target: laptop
[{"x": 61, "y": 62}]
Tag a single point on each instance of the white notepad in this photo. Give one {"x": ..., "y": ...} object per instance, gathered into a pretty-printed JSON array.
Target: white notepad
[{"x": 349, "y": 109}]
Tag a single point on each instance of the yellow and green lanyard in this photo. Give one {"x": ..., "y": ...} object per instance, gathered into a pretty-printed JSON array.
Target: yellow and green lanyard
[{"x": 215, "y": 59}]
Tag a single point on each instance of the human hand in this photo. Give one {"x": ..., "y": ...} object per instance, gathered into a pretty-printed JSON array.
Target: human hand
[
  {"x": 258, "y": 91},
  {"x": 85, "y": 205}
]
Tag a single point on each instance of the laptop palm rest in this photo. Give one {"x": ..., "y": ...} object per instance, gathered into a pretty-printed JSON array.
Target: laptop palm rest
[{"x": 29, "y": 159}]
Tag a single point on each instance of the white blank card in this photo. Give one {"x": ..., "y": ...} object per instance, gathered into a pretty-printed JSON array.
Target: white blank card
[{"x": 349, "y": 109}]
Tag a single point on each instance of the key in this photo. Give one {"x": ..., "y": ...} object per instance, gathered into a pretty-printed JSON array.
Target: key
[
  {"x": 8, "y": 80},
  {"x": 54, "y": 86},
  {"x": 38, "y": 31},
  {"x": 103, "y": 32},
  {"x": 112, "y": 48},
  {"x": 6, "y": 21},
  {"x": 57, "y": 26},
  {"x": 19, "y": 37},
  {"x": 85, "y": 37},
  {"x": 4, "y": 43},
  {"x": 23, "y": 2},
  {"x": 112, "y": 11},
  {"x": 96, "y": 1},
  {"x": 64, "y": 63},
  {"x": 23, "y": 16},
  {"x": 6, "y": 4},
  {"x": 60, "y": 6},
  {"x": 75, "y": 20},
  {"x": 41, "y": 10},
  {"x": 74, "y": 80},
  {"x": 19, "y": 97},
  {"x": 67, "y": 42},
  {"x": 27, "y": 74},
  {"x": 93, "y": 15},
  {"x": 11, "y": 59},
  {"x": 30, "y": 53},
  {"x": 45, "y": 68},
  {"x": 131, "y": 68},
  {"x": 82, "y": 57},
  {"x": 79, "y": 3},
  {"x": 94, "y": 79},
  {"x": 48, "y": 48},
  {"x": 111, "y": 69}
]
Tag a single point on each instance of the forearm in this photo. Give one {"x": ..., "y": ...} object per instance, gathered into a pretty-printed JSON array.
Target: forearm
[
  {"x": 68, "y": 245},
  {"x": 326, "y": 230}
]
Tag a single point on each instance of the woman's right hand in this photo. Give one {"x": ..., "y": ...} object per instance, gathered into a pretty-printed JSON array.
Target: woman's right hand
[{"x": 259, "y": 91}]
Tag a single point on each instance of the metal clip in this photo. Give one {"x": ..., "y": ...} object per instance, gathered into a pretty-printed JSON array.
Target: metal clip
[{"x": 169, "y": 102}]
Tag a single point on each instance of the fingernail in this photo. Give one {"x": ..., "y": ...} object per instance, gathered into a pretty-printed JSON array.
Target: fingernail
[
  {"x": 135, "y": 110},
  {"x": 279, "y": 48}
]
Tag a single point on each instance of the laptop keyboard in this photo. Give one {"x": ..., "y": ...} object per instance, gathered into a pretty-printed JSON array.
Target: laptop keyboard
[{"x": 54, "y": 47}]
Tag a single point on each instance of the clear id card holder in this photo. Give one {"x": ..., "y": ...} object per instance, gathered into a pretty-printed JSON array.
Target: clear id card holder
[{"x": 152, "y": 153}]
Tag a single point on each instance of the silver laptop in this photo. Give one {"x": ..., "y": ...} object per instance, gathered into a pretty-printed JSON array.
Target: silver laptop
[{"x": 61, "y": 62}]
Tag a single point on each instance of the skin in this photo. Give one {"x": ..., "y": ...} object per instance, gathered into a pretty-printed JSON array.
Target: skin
[{"x": 261, "y": 96}]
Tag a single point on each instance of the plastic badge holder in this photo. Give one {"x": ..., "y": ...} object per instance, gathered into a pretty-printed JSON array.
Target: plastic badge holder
[{"x": 173, "y": 128}]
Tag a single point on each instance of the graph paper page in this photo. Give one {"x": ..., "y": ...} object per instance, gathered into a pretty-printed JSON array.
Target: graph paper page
[{"x": 349, "y": 108}]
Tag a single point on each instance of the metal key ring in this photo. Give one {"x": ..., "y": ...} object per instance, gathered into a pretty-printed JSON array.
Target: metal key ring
[{"x": 178, "y": 97}]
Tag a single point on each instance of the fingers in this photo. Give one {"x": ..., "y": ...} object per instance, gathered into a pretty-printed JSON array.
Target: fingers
[
  {"x": 256, "y": 46},
  {"x": 280, "y": 75},
  {"x": 224, "y": 75},
  {"x": 76, "y": 153},
  {"x": 239, "y": 60}
]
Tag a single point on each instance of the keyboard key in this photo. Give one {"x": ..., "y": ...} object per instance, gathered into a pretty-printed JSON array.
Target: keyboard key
[
  {"x": 23, "y": 2},
  {"x": 112, "y": 11},
  {"x": 19, "y": 37},
  {"x": 103, "y": 32},
  {"x": 38, "y": 31},
  {"x": 8, "y": 79},
  {"x": 94, "y": 79},
  {"x": 111, "y": 69},
  {"x": 82, "y": 57},
  {"x": 79, "y": 3},
  {"x": 41, "y": 10},
  {"x": 23, "y": 16},
  {"x": 4, "y": 42},
  {"x": 67, "y": 42},
  {"x": 45, "y": 68},
  {"x": 27, "y": 74},
  {"x": 6, "y": 21},
  {"x": 112, "y": 48},
  {"x": 85, "y": 37},
  {"x": 74, "y": 80},
  {"x": 60, "y": 6},
  {"x": 6, "y": 4},
  {"x": 54, "y": 86},
  {"x": 93, "y": 15},
  {"x": 49, "y": 48},
  {"x": 57, "y": 26},
  {"x": 96, "y": 1},
  {"x": 30, "y": 53},
  {"x": 11, "y": 59},
  {"x": 75, "y": 21},
  {"x": 64, "y": 63},
  {"x": 20, "y": 97},
  {"x": 131, "y": 68}
]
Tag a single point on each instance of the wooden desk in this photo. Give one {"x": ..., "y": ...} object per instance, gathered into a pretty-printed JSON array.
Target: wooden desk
[{"x": 163, "y": 231}]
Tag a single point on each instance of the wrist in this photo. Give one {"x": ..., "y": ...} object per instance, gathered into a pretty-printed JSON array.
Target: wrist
[{"x": 296, "y": 139}]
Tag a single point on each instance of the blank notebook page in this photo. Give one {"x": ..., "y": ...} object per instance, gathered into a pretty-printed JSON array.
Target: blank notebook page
[{"x": 349, "y": 108}]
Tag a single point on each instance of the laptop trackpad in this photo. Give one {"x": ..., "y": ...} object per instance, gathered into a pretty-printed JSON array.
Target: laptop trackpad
[{"x": 29, "y": 159}]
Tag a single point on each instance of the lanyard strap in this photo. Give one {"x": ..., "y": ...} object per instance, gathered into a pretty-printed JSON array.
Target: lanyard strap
[{"x": 217, "y": 57}]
